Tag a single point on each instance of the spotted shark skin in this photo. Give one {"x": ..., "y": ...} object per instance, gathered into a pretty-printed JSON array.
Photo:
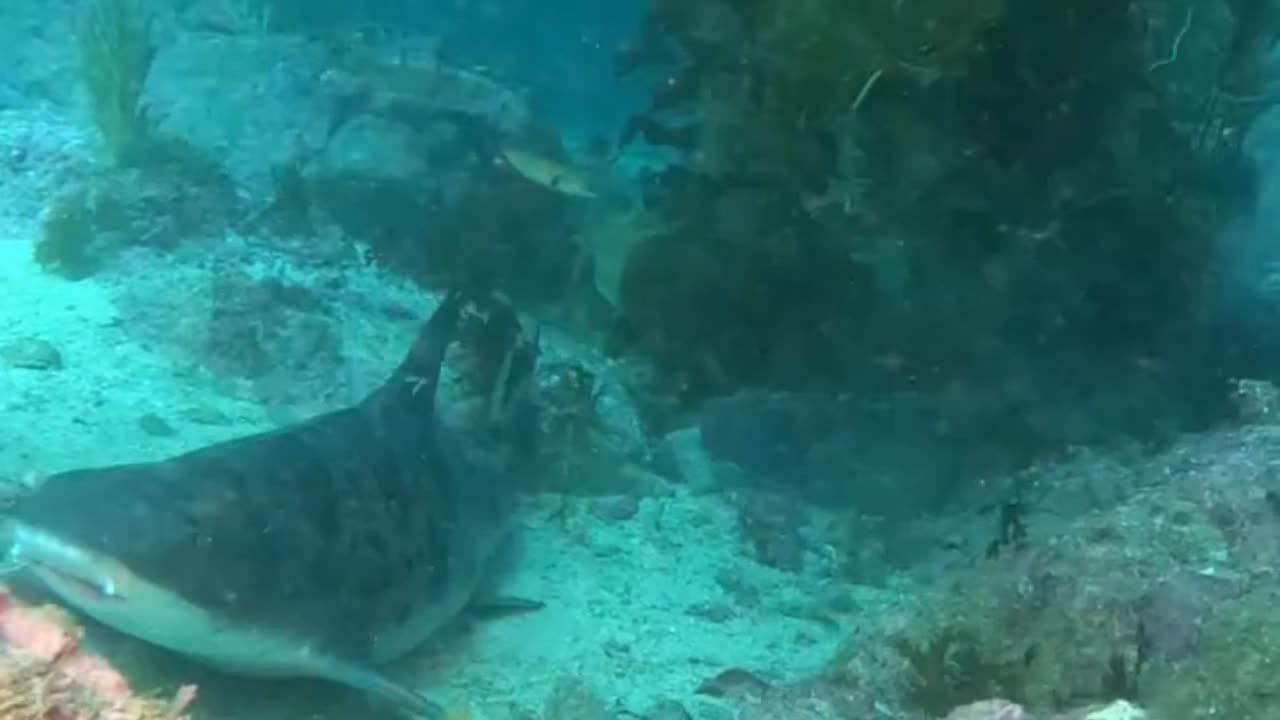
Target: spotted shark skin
[{"x": 323, "y": 549}]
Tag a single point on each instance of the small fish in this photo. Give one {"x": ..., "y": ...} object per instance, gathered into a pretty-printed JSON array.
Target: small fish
[{"x": 548, "y": 173}]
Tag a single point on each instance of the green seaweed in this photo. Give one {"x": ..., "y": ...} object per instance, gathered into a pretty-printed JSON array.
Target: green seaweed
[
  {"x": 949, "y": 669},
  {"x": 1232, "y": 674},
  {"x": 65, "y": 245},
  {"x": 994, "y": 631},
  {"x": 116, "y": 48},
  {"x": 939, "y": 195}
]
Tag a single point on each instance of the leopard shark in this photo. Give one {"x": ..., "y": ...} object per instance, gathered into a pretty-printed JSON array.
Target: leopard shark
[{"x": 324, "y": 549}]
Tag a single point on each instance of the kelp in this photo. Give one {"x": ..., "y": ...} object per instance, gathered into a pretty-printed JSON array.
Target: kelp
[{"x": 939, "y": 196}]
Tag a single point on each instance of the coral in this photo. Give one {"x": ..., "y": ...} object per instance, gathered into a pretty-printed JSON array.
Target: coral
[
  {"x": 44, "y": 675},
  {"x": 114, "y": 39}
]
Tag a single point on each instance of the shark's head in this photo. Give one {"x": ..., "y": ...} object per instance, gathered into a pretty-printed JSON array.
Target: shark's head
[
  {"x": 77, "y": 574},
  {"x": 107, "y": 590}
]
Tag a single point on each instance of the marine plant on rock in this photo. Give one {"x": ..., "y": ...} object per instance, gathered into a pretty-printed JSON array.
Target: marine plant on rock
[
  {"x": 937, "y": 194},
  {"x": 1067, "y": 620},
  {"x": 116, "y": 47},
  {"x": 1233, "y": 673},
  {"x": 66, "y": 242}
]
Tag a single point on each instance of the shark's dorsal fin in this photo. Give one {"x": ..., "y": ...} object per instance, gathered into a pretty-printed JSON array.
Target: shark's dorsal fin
[{"x": 415, "y": 380}]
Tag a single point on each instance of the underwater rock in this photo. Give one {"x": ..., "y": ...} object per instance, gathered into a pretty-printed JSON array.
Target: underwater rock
[
  {"x": 249, "y": 104},
  {"x": 769, "y": 432},
  {"x": 738, "y": 589},
  {"x": 806, "y": 701},
  {"x": 615, "y": 509},
  {"x": 989, "y": 710},
  {"x": 1174, "y": 612},
  {"x": 206, "y": 415},
  {"x": 31, "y": 353},
  {"x": 1096, "y": 608},
  {"x": 735, "y": 684},
  {"x": 379, "y": 177},
  {"x": 711, "y": 710},
  {"x": 668, "y": 710},
  {"x": 1257, "y": 401},
  {"x": 573, "y": 699},
  {"x": 770, "y": 525},
  {"x": 39, "y": 150},
  {"x": 682, "y": 457},
  {"x": 155, "y": 426},
  {"x": 884, "y": 459},
  {"x": 711, "y": 612},
  {"x": 1117, "y": 710}
]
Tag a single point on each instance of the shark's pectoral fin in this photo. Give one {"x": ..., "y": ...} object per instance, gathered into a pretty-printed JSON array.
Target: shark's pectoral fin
[{"x": 498, "y": 606}]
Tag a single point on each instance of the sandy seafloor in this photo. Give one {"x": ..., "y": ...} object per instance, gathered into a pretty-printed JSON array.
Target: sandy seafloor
[{"x": 636, "y": 608}]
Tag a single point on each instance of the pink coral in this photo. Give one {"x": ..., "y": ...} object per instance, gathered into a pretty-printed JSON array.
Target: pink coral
[{"x": 46, "y": 675}]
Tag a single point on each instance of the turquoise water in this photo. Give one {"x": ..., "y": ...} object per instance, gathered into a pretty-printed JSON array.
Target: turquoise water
[{"x": 894, "y": 360}]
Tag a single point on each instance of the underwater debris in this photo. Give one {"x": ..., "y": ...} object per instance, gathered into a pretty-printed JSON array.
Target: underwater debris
[{"x": 45, "y": 675}]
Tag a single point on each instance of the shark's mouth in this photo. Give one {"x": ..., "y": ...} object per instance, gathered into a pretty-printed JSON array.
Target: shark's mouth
[
  {"x": 65, "y": 567},
  {"x": 90, "y": 589}
]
